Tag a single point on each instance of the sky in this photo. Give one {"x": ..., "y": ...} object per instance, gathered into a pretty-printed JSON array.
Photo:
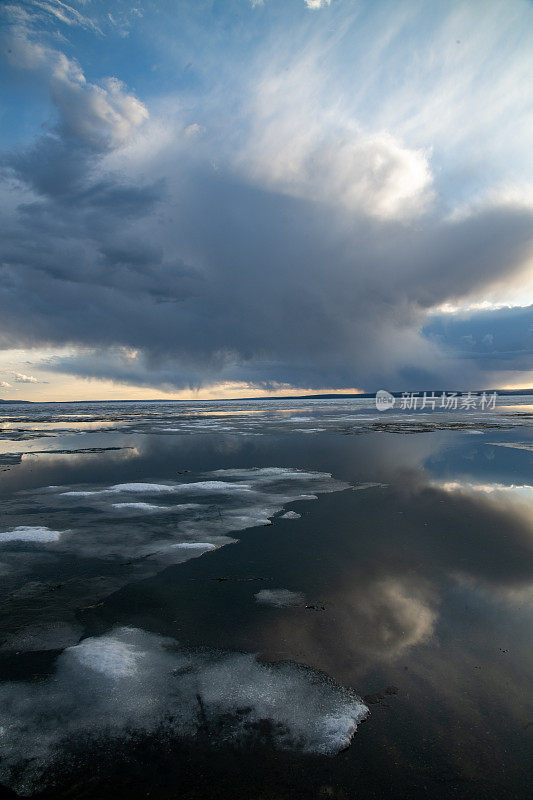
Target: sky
[{"x": 223, "y": 198}]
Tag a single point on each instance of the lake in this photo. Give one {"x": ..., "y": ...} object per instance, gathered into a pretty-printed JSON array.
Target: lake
[{"x": 267, "y": 599}]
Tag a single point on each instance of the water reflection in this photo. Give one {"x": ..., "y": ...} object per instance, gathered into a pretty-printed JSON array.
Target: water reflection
[{"x": 420, "y": 583}]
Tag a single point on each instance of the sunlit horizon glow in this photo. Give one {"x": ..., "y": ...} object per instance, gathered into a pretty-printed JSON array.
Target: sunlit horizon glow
[{"x": 91, "y": 390}]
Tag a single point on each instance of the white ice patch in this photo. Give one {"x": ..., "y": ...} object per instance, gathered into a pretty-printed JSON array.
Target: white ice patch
[
  {"x": 279, "y": 597},
  {"x": 125, "y": 488},
  {"x": 309, "y": 430},
  {"x": 200, "y": 487},
  {"x": 270, "y": 474},
  {"x": 290, "y": 515},
  {"x": 232, "y": 500},
  {"x": 210, "y": 510},
  {"x": 108, "y": 655},
  {"x": 130, "y": 681},
  {"x": 151, "y": 508},
  {"x": 196, "y": 545},
  {"x": 513, "y": 445},
  {"x": 30, "y": 533}
]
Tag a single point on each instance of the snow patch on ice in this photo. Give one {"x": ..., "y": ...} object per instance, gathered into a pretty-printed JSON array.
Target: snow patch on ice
[
  {"x": 129, "y": 682},
  {"x": 279, "y": 597},
  {"x": 30, "y": 533}
]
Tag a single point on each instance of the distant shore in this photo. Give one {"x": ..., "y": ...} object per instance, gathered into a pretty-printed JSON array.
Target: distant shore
[{"x": 360, "y": 395}]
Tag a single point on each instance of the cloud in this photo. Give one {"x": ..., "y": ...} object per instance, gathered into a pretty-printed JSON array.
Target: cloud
[
  {"x": 315, "y": 4},
  {"x": 19, "y": 377},
  {"x": 193, "y": 130},
  {"x": 62, "y": 12},
  {"x": 5, "y": 385},
  {"x": 196, "y": 324},
  {"x": 54, "y": 11},
  {"x": 304, "y": 142},
  {"x": 496, "y": 338},
  {"x": 267, "y": 226},
  {"x": 95, "y": 116},
  {"x": 369, "y": 173}
]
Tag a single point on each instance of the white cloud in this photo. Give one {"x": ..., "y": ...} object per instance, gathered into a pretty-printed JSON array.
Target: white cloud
[
  {"x": 43, "y": 11},
  {"x": 193, "y": 131},
  {"x": 314, "y": 4},
  {"x": 19, "y": 377},
  {"x": 64, "y": 13},
  {"x": 306, "y": 146},
  {"x": 99, "y": 116},
  {"x": 5, "y": 385},
  {"x": 372, "y": 173}
]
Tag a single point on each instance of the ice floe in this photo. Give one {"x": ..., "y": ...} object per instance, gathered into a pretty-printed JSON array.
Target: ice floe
[
  {"x": 30, "y": 533},
  {"x": 196, "y": 545},
  {"x": 199, "y": 487},
  {"x": 513, "y": 445},
  {"x": 142, "y": 530},
  {"x": 128, "y": 682},
  {"x": 151, "y": 508},
  {"x": 279, "y": 597}
]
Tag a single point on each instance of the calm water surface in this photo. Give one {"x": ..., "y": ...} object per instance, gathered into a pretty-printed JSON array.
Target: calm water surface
[{"x": 168, "y": 631}]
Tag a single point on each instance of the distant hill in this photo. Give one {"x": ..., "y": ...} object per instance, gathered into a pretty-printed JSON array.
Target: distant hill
[
  {"x": 438, "y": 392},
  {"x": 15, "y": 402},
  {"x": 368, "y": 395}
]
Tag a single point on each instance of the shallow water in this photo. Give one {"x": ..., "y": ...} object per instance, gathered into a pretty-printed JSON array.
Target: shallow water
[{"x": 197, "y": 603}]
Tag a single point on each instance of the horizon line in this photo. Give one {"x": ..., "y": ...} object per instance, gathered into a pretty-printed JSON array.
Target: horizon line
[{"x": 318, "y": 396}]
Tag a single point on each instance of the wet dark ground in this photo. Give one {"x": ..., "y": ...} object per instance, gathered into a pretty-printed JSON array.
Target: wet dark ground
[{"x": 418, "y": 596}]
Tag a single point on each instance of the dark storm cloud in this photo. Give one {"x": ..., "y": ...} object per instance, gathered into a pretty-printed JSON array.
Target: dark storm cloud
[
  {"x": 220, "y": 280},
  {"x": 178, "y": 259},
  {"x": 499, "y": 338}
]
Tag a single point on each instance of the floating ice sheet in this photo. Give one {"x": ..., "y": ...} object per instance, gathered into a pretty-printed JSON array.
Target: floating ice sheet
[
  {"x": 340, "y": 414},
  {"x": 131, "y": 531},
  {"x": 130, "y": 681},
  {"x": 513, "y": 445},
  {"x": 30, "y": 533},
  {"x": 279, "y": 597}
]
